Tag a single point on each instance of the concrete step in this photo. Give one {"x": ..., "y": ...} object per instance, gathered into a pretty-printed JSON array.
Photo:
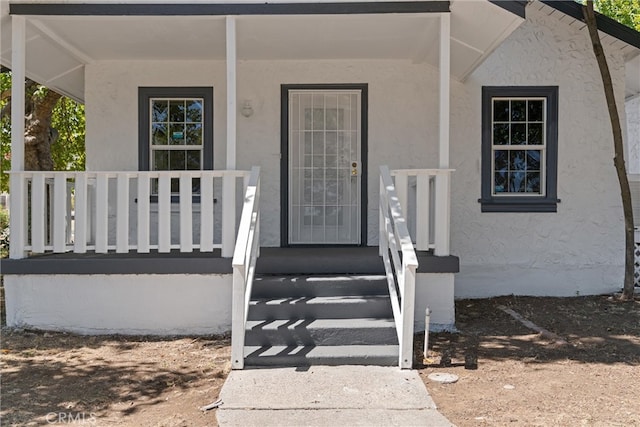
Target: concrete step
[
  {"x": 321, "y": 260},
  {"x": 334, "y": 307},
  {"x": 321, "y": 332},
  {"x": 384, "y": 355},
  {"x": 265, "y": 286}
]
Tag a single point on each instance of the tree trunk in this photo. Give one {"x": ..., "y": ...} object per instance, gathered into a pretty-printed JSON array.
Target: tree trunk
[
  {"x": 39, "y": 135},
  {"x": 618, "y": 159}
]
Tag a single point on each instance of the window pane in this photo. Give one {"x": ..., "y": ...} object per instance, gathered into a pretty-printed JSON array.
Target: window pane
[
  {"x": 518, "y": 111},
  {"x": 176, "y": 133},
  {"x": 517, "y": 160},
  {"x": 533, "y": 182},
  {"x": 159, "y": 111},
  {"x": 501, "y": 134},
  {"x": 160, "y": 160},
  {"x": 518, "y": 134},
  {"x": 533, "y": 160},
  {"x": 176, "y": 111},
  {"x": 318, "y": 118},
  {"x": 332, "y": 118},
  {"x": 516, "y": 182},
  {"x": 501, "y": 160},
  {"x": 194, "y": 111},
  {"x": 193, "y": 160},
  {"x": 535, "y": 134},
  {"x": 159, "y": 134},
  {"x": 194, "y": 134},
  {"x": 177, "y": 160},
  {"x": 500, "y": 182},
  {"x": 501, "y": 111},
  {"x": 535, "y": 111}
]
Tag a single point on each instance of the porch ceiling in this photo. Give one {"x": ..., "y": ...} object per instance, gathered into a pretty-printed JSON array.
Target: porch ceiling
[{"x": 58, "y": 47}]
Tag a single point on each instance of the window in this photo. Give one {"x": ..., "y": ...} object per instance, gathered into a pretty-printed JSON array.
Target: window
[
  {"x": 519, "y": 149},
  {"x": 175, "y": 130}
]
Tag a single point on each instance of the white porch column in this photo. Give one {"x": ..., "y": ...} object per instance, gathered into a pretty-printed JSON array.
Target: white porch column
[
  {"x": 443, "y": 188},
  {"x": 231, "y": 92},
  {"x": 445, "y": 71},
  {"x": 228, "y": 182},
  {"x": 18, "y": 197}
]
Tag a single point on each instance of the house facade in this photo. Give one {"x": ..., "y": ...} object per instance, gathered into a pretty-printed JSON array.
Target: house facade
[{"x": 490, "y": 116}]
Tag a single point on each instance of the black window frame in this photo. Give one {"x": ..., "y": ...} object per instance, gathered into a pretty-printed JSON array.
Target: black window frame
[
  {"x": 530, "y": 203},
  {"x": 145, "y": 94}
]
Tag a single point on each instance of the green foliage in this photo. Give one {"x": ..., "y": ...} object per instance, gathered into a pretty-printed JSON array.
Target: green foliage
[
  {"x": 4, "y": 232},
  {"x": 626, "y": 12},
  {"x": 68, "y": 119}
]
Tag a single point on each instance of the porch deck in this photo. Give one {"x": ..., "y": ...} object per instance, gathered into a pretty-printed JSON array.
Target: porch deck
[{"x": 291, "y": 260}]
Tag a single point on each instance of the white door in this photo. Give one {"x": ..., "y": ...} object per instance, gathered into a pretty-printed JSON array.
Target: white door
[{"x": 324, "y": 167}]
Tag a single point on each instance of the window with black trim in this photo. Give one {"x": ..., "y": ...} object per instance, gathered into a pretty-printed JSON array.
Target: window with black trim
[
  {"x": 176, "y": 130},
  {"x": 519, "y": 148}
]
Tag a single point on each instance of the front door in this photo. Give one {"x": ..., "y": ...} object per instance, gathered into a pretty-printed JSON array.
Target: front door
[{"x": 325, "y": 166}]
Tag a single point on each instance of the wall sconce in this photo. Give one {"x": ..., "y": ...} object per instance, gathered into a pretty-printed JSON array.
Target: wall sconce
[{"x": 247, "y": 109}]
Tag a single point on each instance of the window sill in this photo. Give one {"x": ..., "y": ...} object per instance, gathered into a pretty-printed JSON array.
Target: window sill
[{"x": 519, "y": 204}]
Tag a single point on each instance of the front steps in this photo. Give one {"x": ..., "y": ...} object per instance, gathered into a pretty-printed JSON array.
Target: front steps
[{"x": 320, "y": 320}]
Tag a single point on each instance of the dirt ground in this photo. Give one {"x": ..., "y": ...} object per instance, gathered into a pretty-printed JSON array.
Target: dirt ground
[{"x": 509, "y": 375}]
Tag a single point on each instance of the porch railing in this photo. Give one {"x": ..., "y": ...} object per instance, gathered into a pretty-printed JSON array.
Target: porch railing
[
  {"x": 400, "y": 263},
  {"x": 125, "y": 211},
  {"x": 425, "y": 199},
  {"x": 244, "y": 264}
]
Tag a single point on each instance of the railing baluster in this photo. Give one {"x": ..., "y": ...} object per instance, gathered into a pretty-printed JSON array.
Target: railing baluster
[
  {"x": 38, "y": 213},
  {"x": 122, "y": 213},
  {"x": 186, "y": 214},
  {"x": 228, "y": 215},
  {"x": 59, "y": 213},
  {"x": 402, "y": 191},
  {"x": 422, "y": 212},
  {"x": 102, "y": 213},
  {"x": 143, "y": 212},
  {"x": 207, "y": 220},
  {"x": 443, "y": 201},
  {"x": 80, "y": 243},
  {"x": 164, "y": 213}
]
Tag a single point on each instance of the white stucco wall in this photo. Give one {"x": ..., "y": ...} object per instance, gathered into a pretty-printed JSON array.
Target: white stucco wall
[
  {"x": 435, "y": 291},
  {"x": 633, "y": 135},
  {"x": 578, "y": 250},
  {"x": 121, "y": 304},
  {"x": 402, "y": 113}
]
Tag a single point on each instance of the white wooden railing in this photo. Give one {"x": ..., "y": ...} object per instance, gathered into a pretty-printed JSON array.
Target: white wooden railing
[
  {"x": 425, "y": 199},
  {"x": 400, "y": 263},
  {"x": 124, "y": 211},
  {"x": 245, "y": 256}
]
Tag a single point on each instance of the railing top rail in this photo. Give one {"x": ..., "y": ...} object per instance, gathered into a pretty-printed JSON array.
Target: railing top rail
[
  {"x": 408, "y": 253},
  {"x": 396, "y": 172},
  {"x": 247, "y": 218},
  {"x": 151, "y": 174}
]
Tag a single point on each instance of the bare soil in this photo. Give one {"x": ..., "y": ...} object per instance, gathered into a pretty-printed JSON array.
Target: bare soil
[
  {"x": 594, "y": 380},
  {"x": 511, "y": 375}
]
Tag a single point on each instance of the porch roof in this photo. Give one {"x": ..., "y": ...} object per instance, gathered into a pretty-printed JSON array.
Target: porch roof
[{"x": 64, "y": 37}]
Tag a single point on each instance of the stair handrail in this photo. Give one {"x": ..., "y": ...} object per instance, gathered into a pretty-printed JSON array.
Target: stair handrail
[
  {"x": 245, "y": 256},
  {"x": 400, "y": 270}
]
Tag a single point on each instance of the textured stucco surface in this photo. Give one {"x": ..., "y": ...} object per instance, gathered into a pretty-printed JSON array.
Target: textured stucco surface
[
  {"x": 633, "y": 135},
  {"x": 436, "y": 291},
  {"x": 122, "y": 304},
  {"x": 579, "y": 249}
]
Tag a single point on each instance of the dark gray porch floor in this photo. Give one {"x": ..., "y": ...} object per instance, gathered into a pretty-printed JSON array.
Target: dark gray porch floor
[{"x": 297, "y": 260}]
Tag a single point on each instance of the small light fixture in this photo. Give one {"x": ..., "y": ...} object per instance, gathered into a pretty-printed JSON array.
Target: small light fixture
[{"x": 247, "y": 109}]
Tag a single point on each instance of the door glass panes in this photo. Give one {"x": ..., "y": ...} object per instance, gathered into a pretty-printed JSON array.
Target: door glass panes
[
  {"x": 177, "y": 135},
  {"x": 518, "y": 127},
  {"x": 324, "y": 142}
]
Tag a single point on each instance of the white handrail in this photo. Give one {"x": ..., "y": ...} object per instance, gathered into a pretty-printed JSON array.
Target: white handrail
[
  {"x": 106, "y": 211},
  {"x": 400, "y": 271},
  {"x": 247, "y": 251}
]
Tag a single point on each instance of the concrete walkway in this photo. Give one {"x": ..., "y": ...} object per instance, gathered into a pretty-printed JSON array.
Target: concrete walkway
[{"x": 327, "y": 396}]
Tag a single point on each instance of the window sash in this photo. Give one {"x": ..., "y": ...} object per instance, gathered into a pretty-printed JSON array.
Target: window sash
[{"x": 509, "y": 146}]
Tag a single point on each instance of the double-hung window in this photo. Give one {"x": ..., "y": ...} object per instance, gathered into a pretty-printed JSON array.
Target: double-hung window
[
  {"x": 175, "y": 131},
  {"x": 519, "y": 149}
]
